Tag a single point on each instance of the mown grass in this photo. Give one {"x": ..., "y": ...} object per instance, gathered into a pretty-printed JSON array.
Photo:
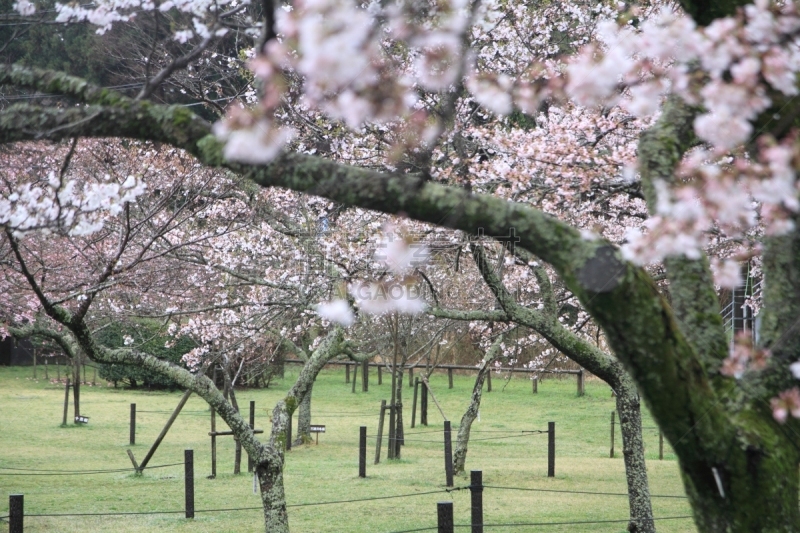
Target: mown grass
[{"x": 30, "y": 437}]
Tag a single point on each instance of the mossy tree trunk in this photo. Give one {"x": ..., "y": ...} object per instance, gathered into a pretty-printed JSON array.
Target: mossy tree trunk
[{"x": 462, "y": 439}]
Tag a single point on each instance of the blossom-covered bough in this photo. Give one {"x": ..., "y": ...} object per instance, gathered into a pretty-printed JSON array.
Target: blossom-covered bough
[{"x": 718, "y": 159}]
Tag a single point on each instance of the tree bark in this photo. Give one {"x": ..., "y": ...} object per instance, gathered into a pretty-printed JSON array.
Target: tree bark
[
  {"x": 630, "y": 423},
  {"x": 462, "y": 439},
  {"x": 304, "y": 419}
]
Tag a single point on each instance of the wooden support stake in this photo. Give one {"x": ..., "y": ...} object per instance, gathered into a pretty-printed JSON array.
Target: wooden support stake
[
  {"x": 410, "y": 375},
  {"x": 230, "y": 433},
  {"x": 551, "y": 449},
  {"x": 380, "y": 432},
  {"x": 489, "y": 381},
  {"x": 16, "y": 513},
  {"x": 613, "y": 414},
  {"x": 362, "y": 451},
  {"x": 444, "y": 514},
  {"x": 347, "y": 372},
  {"x": 414, "y": 403},
  {"x": 535, "y": 385},
  {"x": 213, "y": 443},
  {"x": 476, "y": 493},
  {"x": 133, "y": 460},
  {"x": 423, "y": 406},
  {"x": 66, "y": 403},
  {"x": 188, "y": 481},
  {"x": 392, "y": 431},
  {"x": 355, "y": 378},
  {"x": 133, "y": 424},
  {"x": 448, "y": 454},
  {"x": 380, "y": 374},
  {"x": 581, "y": 390},
  {"x": 660, "y": 445},
  {"x": 450, "y": 377},
  {"x": 433, "y": 397},
  {"x": 252, "y": 426},
  {"x": 365, "y": 376},
  {"x": 164, "y": 431}
]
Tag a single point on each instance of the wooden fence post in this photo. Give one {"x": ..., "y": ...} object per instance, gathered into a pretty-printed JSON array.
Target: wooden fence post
[
  {"x": 448, "y": 454},
  {"x": 355, "y": 378},
  {"x": 380, "y": 432},
  {"x": 380, "y": 374},
  {"x": 551, "y": 449},
  {"x": 476, "y": 492},
  {"x": 581, "y": 390},
  {"x": 252, "y": 426},
  {"x": 66, "y": 403},
  {"x": 410, "y": 375},
  {"x": 450, "y": 377},
  {"x": 489, "y": 381},
  {"x": 414, "y": 403},
  {"x": 133, "y": 424},
  {"x": 188, "y": 479},
  {"x": 213, "y": 443},
  {"x": 365, "y": 376},
  {"x": 613, "y": 414},
  {"x": 347, "y": 372},
  {"x": 535, "y": 385},
  {"x": 423, "y": 406},
  {"x": 444, "y": 514},
  {"x": 16, "y": 513},
  {"x": 660, "y": 445},
  {"x": 362, "y": 452}
]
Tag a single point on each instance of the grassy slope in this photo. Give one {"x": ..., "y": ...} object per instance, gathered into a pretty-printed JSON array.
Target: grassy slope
[{"x": 30, "y": 437}]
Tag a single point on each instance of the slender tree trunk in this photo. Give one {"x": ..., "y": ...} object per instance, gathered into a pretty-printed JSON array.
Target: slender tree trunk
[
  {"x": 398, "y": 402},
  {"x": 630, "y": 422},
  {"x": 462, "y": 440},
  {"x": 304, "y": 419}
]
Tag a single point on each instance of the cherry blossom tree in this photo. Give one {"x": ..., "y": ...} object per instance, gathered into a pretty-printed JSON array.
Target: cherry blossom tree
[{"x": 671, "y": 129}]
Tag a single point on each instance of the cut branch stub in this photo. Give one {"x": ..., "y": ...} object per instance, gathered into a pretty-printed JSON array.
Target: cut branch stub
[{"x": 603, "y": 272}]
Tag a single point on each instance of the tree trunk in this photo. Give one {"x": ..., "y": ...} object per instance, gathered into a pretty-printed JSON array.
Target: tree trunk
[
  {"x": 630, "y": 423},
  {"x": 76, "y": 386},
  {"x": 398, "y": 419},
  {"x": 754, "y": 488},
  {"x": 304, "y": 419},
  {"x": 273, "y": 497},
  {"x": 462, "y": 440}
]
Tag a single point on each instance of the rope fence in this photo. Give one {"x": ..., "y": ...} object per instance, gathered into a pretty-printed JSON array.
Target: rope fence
[
  {"x": 46, "y": 472},
  {"x": 444, "y": 509}
]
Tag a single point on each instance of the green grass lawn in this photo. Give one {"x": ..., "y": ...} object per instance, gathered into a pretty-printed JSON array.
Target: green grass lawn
[{"x": 30, "y": 437}]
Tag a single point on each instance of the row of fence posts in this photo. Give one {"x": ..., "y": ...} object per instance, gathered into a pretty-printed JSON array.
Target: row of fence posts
[
  {"x": 444, "y": 510},
  {"x": 448, "y": 449},
  {"x": 660, "y": 439},
  {"x": 16, "y": 502},
  {"x": 414, "y": 382}
]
